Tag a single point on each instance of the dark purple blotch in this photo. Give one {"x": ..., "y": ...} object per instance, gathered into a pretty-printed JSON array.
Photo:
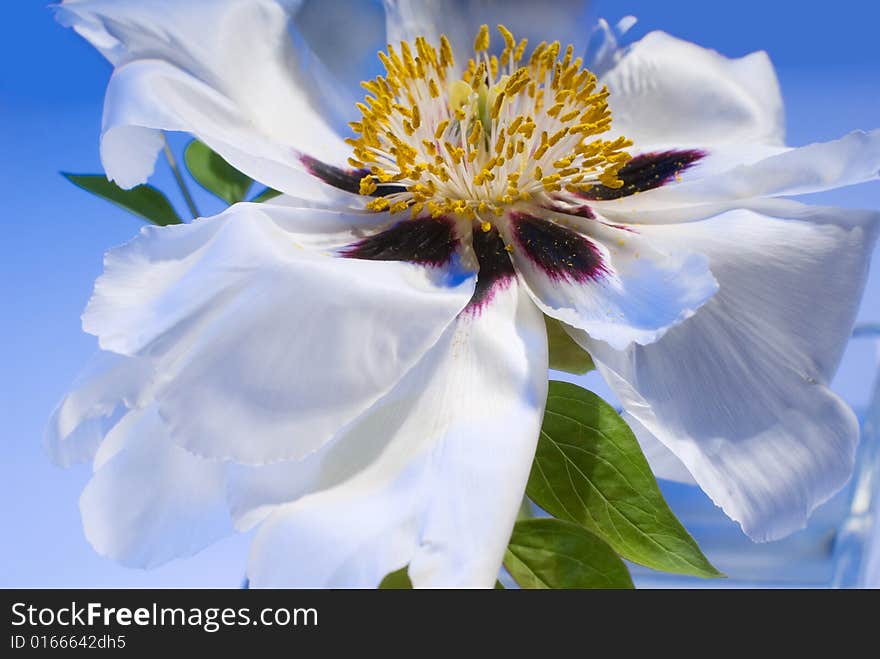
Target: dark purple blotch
[
  {"x": 576, "y": 209},
  {"x": 646, "y": 172},
  {"x": 345, "y": 179},
  {"x": 496, "y": 270},
  {"x": 426, "y": 241},
  {"x": 561, "y": 253}
]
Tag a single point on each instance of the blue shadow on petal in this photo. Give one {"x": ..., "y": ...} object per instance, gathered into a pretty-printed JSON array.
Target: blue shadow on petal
[{"x": 835, "y": 550}]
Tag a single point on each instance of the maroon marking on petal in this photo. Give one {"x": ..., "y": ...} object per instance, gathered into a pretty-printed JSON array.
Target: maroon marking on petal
[
  {"x": 576, "y": 209},
  {"x": 426, "y": 241},
  {"x": 646, "y": 172},
  {"x": 496, "y": 270},
  {"x": 622, "y": 227},
  {"x": 561, "y": 253},
  {"x": 345, "y": 179}
]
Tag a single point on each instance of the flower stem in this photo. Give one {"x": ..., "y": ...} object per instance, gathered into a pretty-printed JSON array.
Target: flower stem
[{"x": 179, "y": 178}]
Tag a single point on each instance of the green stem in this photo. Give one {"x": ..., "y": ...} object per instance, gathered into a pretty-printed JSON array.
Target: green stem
[{"x": 179, "y": 178}]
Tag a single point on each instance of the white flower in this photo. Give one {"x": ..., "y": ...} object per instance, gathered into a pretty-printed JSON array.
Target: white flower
[{"x": 368, "y": 388}]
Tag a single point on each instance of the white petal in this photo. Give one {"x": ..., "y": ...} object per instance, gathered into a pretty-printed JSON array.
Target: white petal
[
  {"x": 664, "y": 89},
  {"x": 739, "y": 392},
  {"x": 267, "y": 348},
  {"x": 226, "y": 71},
  {"x": 150, "y": 501},
  {"x": 148, "y": 96},
  {"x": 460, "y": 20},
  {"x": 635, "y": 292},
  {"x": 663, "y": 462},
  {"x": 108, "y": 386},
  {"x": 854, "y": 158},
  {"x": 446, "y": 458}
]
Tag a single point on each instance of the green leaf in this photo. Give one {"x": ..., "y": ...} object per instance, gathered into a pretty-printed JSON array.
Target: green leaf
[
  {"x": 551, "y": 553},
  {"x": 589, "y": 469},
  {"x": 397, "y": 580},
  {"x": 215, "y": 174},
  {"x": 565, "y": 354},
  {"x": 266, "y": 195},
  {"x": 145, "y": 201}
]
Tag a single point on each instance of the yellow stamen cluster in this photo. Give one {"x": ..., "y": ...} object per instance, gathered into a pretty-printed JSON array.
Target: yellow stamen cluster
[{"x": 472, "y": 140}]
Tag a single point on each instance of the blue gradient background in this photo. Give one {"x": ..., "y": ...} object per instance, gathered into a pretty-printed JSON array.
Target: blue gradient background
[{"x": 53, "y": 237}]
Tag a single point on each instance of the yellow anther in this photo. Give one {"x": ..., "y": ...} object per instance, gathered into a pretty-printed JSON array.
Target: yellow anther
[
  {"x": 395, "y": 60},
  {"x": 496, "y": 106},
  {"x": 441, "y": 129},
  {"x": 558, "y": 135},
  {"x": 446, "y": 58},
  {"x": 499, "y": 143},
  {"x": 569, "y": 51},
  {"x": 416, "y": 117},
  {"x": 475, "y": 156},
  {"x": 507, "y": 35},
  {"x": 479, "y": 77},
  {"x": 481, "y": 43},
  {"x": 367, "y": 185},
  {"x": 486, "y": 227},
  {"x": 556, "y": 109},
  {"x": 476, "y": 133}
]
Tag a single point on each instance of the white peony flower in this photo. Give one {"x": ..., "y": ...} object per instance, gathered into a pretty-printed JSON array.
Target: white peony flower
[{"x": 363, "y": 377}]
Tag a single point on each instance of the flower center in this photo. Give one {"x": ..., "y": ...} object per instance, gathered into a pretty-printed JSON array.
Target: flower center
[{"x": 438, "y": 139}]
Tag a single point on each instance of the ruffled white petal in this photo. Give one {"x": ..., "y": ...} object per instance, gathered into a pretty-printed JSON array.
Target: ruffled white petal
[
  {"x": 446, "y": 456},
  {"x": 664, "y": 89},
  {"x": 146, "y": 97},
  {"x": 637, "y": 294},
  {"x": 662, "y": 461},
  {"x": 854, "y": 158},
  {"x": 267, "y": 347},
  {"x": 226, "y": 71},
  {"x": 149, "y": 500},
  {"x": 107, "y": 387},
  {"x": 739, "y": 392},
  {"x": 459, "y": 20}
]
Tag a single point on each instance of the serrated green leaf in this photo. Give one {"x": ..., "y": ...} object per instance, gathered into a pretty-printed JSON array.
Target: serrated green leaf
[
  {"x": 397, "y": 580},
  {"x": 589, "y": 469},
  {"x": 145, "y": 201},
  {"x": 565, "y": 354},
  {"x": 266, "y": 195},
  {"x": 552, "y": 553},
  {"x": 215, "y": 174}
]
